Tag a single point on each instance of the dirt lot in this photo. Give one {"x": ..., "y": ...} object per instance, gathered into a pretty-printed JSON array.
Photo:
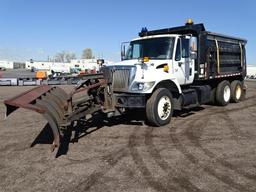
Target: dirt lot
[{"x": 207, "y": 149}]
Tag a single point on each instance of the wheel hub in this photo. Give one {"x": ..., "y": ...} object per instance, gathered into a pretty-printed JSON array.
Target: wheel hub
[
  {"x": 164, "y": 108},
  {"x": 238, "y": 92},
  {"x": 227, "y": 93}
]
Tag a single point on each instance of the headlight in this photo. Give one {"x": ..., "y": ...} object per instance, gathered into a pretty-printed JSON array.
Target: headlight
[{"x": 142, "y": 86}]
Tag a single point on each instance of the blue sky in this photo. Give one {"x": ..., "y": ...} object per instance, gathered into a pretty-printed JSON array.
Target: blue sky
[{"x": 40, "y": 28}]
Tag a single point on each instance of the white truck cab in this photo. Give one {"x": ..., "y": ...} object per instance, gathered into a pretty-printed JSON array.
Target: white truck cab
[
  {"x": 157, "y": 58},
  {"x": 178, "y": 67}
]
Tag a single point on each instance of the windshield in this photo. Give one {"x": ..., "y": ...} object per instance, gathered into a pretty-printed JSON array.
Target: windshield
[{"x": 156, "y": 48}]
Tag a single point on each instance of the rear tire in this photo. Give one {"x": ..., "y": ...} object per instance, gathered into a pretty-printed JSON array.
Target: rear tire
[
  {"x": 159, "y": 107},
  {"x": 223, "y": 93},
  {"x": 236, "y": 91}
]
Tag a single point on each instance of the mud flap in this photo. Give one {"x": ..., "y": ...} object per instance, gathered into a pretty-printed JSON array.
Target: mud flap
[{"x": 51, "y": 102}]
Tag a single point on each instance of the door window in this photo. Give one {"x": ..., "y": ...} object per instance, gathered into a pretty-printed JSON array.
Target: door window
[
  {"x": 178, "y": 51},
  {"x": 185, "y": 48}
]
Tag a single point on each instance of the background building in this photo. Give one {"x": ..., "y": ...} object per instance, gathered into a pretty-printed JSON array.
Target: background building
[
  {"x": 48, "y": 66},
  {"x": 12, "y": 65},
  {"x": 88, "y": 65},
  {"x": 251, "y": 70},
  {"x": 6, "y": 64}
]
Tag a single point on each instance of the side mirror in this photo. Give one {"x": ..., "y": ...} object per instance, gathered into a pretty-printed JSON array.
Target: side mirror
[
  {"x": 123, "y": 53},
  {"x": 193, "y": 48},
  {"x": 123, "y": 49},
  {"x": 193, "y": 44}
]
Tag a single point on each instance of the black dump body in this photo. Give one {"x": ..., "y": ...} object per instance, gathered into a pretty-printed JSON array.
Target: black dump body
[{"x": 219, "y": 56}]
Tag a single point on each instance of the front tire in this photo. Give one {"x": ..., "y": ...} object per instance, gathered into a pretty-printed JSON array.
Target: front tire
[
  {"x": 159, "y": 107},
  {"x": 223, "y": 93}
]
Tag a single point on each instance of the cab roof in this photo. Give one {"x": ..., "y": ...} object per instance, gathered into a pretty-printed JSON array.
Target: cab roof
[{"x": 194, "y": 29}]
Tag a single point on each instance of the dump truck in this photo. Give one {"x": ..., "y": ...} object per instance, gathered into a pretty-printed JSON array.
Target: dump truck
[{"x": 160, "y": 71}]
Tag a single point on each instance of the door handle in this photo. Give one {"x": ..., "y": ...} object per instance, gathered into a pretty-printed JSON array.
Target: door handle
[{"x": 180, "y": 63}]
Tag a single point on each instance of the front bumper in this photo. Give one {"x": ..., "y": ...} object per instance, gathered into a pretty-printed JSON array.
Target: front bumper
[{"x": 126, "y": 100}]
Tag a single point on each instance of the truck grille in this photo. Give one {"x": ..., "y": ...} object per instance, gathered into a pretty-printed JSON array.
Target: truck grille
[{"x": 122, "y": 77}]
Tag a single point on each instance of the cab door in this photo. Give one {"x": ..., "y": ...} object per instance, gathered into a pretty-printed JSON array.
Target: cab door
[{"x": 183, "y": 64}]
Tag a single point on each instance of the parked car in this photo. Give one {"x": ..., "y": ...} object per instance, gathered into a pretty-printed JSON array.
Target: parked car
[{"x": 2, "y": 69}]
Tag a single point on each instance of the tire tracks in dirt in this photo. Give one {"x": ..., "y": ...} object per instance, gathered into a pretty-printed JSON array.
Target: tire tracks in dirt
[
  {"x": 139, "y": 162},
  {"x": 216, "y": 110},
  {"x": 173, "y": 174},
  {"x": 235, "y": 131},
  {"x": 111, "y": 160},
  {"x": 190, "y": 124},
  {"x": 196, "y": 141},
  {"x": 206, "y": 167}
]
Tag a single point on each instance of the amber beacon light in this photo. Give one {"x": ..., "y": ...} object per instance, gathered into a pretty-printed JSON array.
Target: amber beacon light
[{"x": 189, "y": 22}]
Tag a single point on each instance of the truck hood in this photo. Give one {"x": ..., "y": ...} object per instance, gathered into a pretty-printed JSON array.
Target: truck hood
[
  {"x": 123, "y": 63},
  {"x": 152, "y": 63}
]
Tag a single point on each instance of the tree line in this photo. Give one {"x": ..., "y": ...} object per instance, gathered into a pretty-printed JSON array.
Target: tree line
[{"x": 67, "y": 56}]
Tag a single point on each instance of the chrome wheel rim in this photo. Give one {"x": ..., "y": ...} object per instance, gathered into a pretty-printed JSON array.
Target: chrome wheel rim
[
  {"x": 226, "y": 93},
  {"x": 238, "y": 92},
  {"x": 164, "y": 108}
]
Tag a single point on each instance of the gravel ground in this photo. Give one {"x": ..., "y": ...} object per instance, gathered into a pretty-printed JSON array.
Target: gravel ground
[{"x": 206, "y": 149}]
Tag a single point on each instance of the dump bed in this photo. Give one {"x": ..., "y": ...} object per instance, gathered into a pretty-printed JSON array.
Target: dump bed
[{"x": 220, "y": 56}]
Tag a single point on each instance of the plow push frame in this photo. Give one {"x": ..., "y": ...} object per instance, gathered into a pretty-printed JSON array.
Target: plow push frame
[{"x": 61, "y": 109}]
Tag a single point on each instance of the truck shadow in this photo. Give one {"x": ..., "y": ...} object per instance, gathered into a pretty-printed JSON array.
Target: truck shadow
[
  {"x": 187, "y": 112},
  {"x": 95, "y": 122}
]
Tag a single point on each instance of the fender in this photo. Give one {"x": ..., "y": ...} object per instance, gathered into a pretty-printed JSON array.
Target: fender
[{"x": 171, "y": 84}]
